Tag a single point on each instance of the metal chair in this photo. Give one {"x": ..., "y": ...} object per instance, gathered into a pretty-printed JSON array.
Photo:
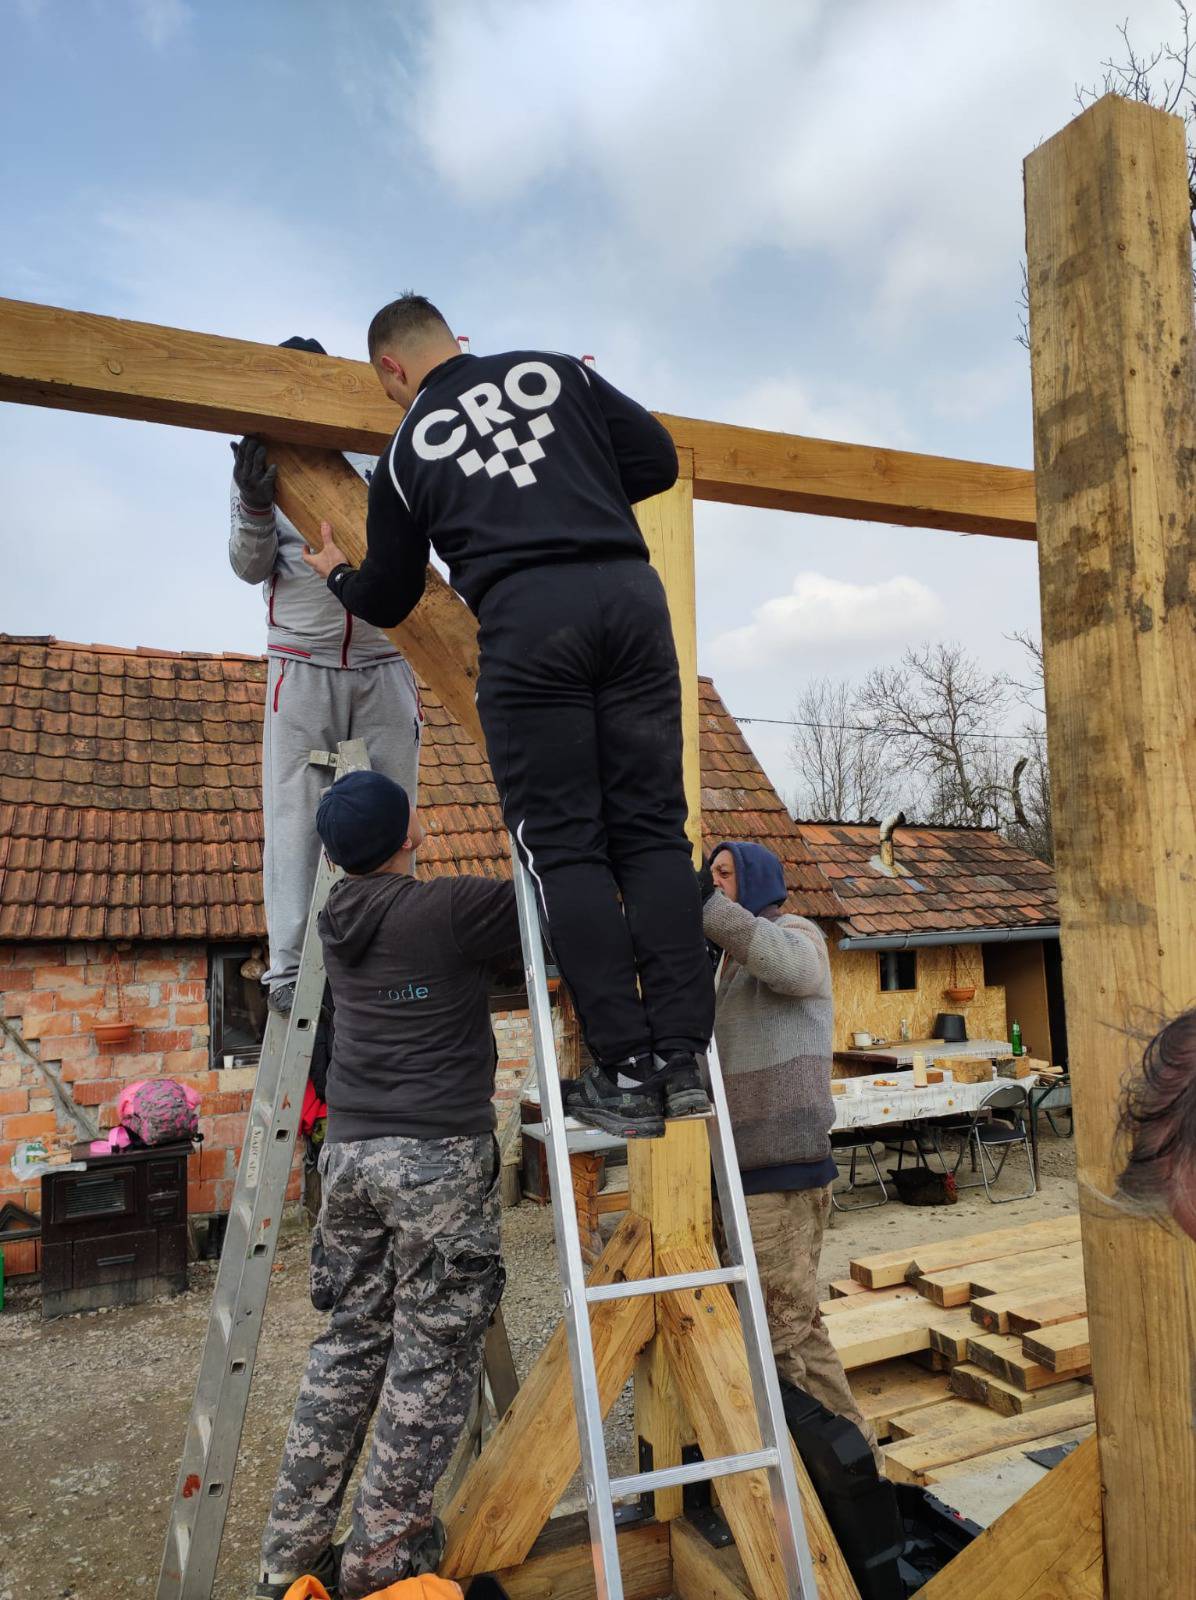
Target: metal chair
[
  {"x": 1052, "y": 1099},
  {"x": 855, "y": 1142},
  {"x": 988, "y": 1134}
]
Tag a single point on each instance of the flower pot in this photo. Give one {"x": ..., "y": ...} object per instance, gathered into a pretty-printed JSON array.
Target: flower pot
[
  {"x": 113, "y": 1032},
  {"x": 958, "y": 996}
]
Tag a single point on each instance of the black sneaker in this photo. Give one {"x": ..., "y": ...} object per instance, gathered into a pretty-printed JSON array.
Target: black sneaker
[
  {"x": 327, "y": 1568},
  {"x": 282, "y": 998},
  {"x": 629, "y": 1112},
  {"x": 684, "y": 1095}
]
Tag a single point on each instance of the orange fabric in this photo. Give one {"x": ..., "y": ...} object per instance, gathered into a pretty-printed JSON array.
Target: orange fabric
[{"x": 425, "y": 1588}]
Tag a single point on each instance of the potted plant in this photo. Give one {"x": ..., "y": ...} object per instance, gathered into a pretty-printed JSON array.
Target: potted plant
[
  {"x": 118, "y": 1031},
  {"x": 959, "y": 993}
]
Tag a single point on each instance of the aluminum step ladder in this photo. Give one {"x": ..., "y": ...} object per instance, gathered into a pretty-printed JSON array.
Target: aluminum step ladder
[
  {"x": 776, "y": 1453},
  {"x": 213, "y": 1438}
]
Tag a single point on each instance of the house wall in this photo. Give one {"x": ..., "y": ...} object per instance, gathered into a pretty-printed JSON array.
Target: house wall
[
  {"x": 1020, "y": 970},
  {"x": 861, "y": 1004},
  {"x": 52, "y": 994}
]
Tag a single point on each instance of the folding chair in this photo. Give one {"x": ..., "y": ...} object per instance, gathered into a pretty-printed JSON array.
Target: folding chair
[
  {"x": 989, "y": 1135},
  {"x": 855, "y": 1142}
]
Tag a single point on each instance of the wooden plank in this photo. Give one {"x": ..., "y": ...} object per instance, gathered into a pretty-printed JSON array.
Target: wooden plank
[
  {"x": 892, "y": 1388},
  {"x": 700, "y": 1572},
  {"x": 74, "y": 361},
  {"x": 868, "y": 1299},
  {"x": 561, "y": 1564},
  {"x": 1002, "y": 1354},
  {"x": 1047, "y": 1546},
  {"x": 1016, "y": 1310},
  {"x": 950, "y": 1332},
  {"x": 440, "y": 637},
  {"x": 1014, "y": 1452},
  {"x": 951, "y": 1411},
  {"x": 612, "y": 1201},
  {"x": 863, "y": 1337},
  {"x": 889, "y": 1267},
  {"x": 1063, "y": 1348},
  {"x": 1035, "y": 1272},
  {"x": 981, "y": 1431},
  {"x": 705, "y": 1348},
  {"x": 495, "y": 1517},
  {"x": 1111, "y": 331},
  {"x": 1046, "y": 1311},
  {"x": 841, "y": 1288},
  {"x": 972, "y": 1382},
  {"x": 784, "y": 472}
]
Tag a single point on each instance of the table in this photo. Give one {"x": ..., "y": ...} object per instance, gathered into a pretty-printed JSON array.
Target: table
[
  {"x": 588, "y": 1149},
  {"x": 901, "y": 1053}
]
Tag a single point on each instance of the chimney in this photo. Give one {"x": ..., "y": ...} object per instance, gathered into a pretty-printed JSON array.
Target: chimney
[{"x": 886, "y": 861}]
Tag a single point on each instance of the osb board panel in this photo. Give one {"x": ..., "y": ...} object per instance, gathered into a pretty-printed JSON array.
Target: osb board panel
[{"x": 861, "y": 1004}]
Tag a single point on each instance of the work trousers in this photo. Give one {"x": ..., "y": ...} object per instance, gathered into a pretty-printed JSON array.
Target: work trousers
[
  {"x": 787, "y": 1231},
  {"x": 580, "y": 701},
  {"x": 405, "y": 1258},
  {"x": 313, "y": 708}
]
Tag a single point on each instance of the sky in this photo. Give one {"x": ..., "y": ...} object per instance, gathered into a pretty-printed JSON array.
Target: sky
[{"x": 793, "y": 214}]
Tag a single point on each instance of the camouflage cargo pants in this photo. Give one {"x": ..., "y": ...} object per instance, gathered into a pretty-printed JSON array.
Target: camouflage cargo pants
[
  {"x": 405, "y": 1259},
  {"x": 787, "y": 1231}
]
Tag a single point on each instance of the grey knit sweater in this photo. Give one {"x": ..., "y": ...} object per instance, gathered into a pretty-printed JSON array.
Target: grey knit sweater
[{"x": 772, "y": 1024}]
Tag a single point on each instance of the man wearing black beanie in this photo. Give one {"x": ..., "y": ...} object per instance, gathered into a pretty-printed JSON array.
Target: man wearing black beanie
[
  {"x": 406, "y": 1253},
  {"x": 331, "y": 676}
]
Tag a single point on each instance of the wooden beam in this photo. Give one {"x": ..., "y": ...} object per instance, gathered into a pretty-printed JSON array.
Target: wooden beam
[
  {"x": 700, "y": 1572},
  {"x": 1045, "y": 1547},
  {"x": 495, "y": 1517},
  {"x": 1063, "y": 1348},
  {"x": 1112, "y": 335},
  {"x": 789, "y": 472},
  {"x": 705, "y": 1348},
  {"x": 75, "y": 361},
  {"x": 973, "y": 1431},
  {"x": 891, "y": 1267},
  {"x": 440, "y": 637},
  {"x": 560, "y": 1565}
]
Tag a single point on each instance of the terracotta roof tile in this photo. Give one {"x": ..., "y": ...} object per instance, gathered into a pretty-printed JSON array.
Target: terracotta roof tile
[
  {"x": 130, "y": 795},
  {"x": 959, "y": 878}
]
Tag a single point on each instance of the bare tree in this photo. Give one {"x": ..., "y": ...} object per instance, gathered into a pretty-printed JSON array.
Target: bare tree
[
  {"x": 843, "y": 767},
  {"x": 939, "y": 715},
  {"x": 1165, "y": 78},
  {"x": 1032, "y": 827}
]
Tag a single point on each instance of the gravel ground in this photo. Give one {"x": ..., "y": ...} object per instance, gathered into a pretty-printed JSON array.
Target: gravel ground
[{"x": 92, "y": 1408}]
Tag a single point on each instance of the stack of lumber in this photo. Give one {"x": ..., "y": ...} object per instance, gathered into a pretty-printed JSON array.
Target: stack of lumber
[{"x": 967, "y": 1352}]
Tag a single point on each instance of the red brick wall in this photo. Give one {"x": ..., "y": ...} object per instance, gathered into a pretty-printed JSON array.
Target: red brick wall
[{"x": 53, "y": 994}]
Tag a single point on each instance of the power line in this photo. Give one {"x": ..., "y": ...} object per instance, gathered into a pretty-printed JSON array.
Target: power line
[{"x": 858, "y": 727}]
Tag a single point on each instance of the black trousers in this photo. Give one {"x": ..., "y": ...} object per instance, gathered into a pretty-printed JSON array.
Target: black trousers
[{"x": 580, "y": 701}]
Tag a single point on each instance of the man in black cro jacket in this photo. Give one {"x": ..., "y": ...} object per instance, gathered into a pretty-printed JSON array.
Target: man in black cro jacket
[
  {"x": 521, "y": 470},
  {"x": 405, "y": 1255}
]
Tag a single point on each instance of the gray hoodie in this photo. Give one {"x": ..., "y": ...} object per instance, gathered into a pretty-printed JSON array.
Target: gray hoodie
[
  {"x": 772, "y": 1022},
  {"x": 304, "y": 619}
]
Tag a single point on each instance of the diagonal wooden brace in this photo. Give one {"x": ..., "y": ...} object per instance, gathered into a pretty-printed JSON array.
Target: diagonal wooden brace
[
  {"x": 498, "y": 1512},
  {"x": 440, "y": 637}
]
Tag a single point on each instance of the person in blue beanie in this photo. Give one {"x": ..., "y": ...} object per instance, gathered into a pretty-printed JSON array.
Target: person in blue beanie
[
  {"x": 406, "y": 1253},
  {"x": 772, "y": 1024}
]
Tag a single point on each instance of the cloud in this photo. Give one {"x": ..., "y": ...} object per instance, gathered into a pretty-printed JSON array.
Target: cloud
[
  {"x": 888, "y": 139},
  {"x": 820, "y": 611},
  {"x": 849, "y": 412}
]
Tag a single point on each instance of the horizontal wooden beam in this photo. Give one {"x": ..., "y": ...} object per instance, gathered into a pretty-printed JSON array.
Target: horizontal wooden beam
[{"x": 77, "y": 361}]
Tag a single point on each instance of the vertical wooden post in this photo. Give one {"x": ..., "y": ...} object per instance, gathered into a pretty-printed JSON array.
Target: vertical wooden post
[
  {"x": 669, "y": 1178},
  {"x": 1111, "y": 323}
]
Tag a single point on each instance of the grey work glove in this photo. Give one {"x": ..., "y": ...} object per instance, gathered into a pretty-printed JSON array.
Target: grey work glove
[{"x": 253, "y": 478}]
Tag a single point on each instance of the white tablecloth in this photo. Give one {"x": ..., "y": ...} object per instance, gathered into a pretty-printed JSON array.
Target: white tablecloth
[{"x": 867, "y": 1104}]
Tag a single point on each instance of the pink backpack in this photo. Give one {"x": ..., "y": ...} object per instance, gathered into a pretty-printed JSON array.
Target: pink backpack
[{"x": 152, "y": 1111}]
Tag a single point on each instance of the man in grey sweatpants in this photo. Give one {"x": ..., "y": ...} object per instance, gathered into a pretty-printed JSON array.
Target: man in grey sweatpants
[
  {"x": 772, "y": 1023},
  {"x": 331, "y": 677}
]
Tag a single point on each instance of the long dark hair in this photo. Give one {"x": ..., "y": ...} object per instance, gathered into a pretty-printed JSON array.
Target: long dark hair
[{"x": 1159, "y": 1117}]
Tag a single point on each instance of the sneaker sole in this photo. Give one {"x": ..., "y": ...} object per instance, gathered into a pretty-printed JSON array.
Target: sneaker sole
[
  {"x": 692, "y": 1103},
  {"x": 611, "y": 1122}
]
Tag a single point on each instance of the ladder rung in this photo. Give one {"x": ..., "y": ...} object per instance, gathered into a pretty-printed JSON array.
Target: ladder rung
[
  {"x": 682, "y": 1280},
  {"x": 695, "y": 1472}
]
